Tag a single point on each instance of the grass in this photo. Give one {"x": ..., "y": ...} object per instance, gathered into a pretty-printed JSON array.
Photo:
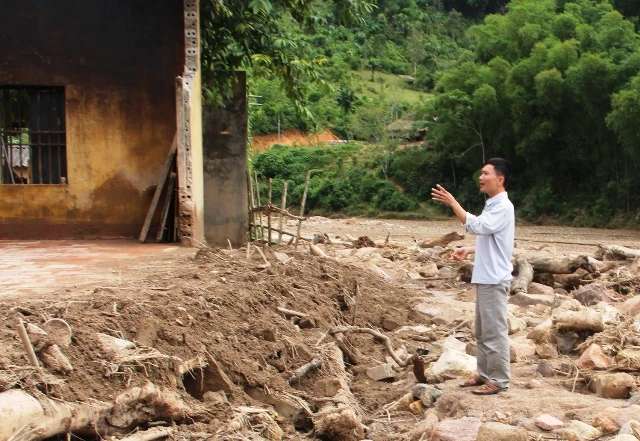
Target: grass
[{"x": 391, "y": 86}]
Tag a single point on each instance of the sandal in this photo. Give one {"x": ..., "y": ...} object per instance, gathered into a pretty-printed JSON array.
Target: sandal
[
  {"x": 472, "y": 382},
  {"x": 488, "y": 389}
]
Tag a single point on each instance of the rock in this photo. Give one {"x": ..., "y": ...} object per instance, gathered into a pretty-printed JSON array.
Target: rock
[
  {"x": 612, "y": 419},
  {"x": 515, "y": 324},
  {"x": 361, "y": 253},
  {"x": 446, "y": 272},
  {"x": 389, "y": 324},
  {"x": 114, "y": 346},
  {"x": 629, "y": 427},
  {"x": 624, "y": 437},
  {"x": 326, "y": 387},
  {"x": 454, "y": 363},
  {"x": 452, "y": 343},
  {"x": 610, "y": 315},
  {"x": 523, "y": 300},
  {"x": 549, "y": 368},
  {"x": 546, "y": 351},
  {"x": 631, "y": 306},
  {"x": 580, "y": 431},
  {"x": 437, "y": 315},
  {"x": 218, "y": 397},
  {"x": 147, "y": 331},
  {"x": 471, "y": 348},
  {"x": 465, "y": 429},
  {"x": 317, "y": 251},
  {"x": 548, "y": 422},
  {"x": 592, "y": 294},
  {"x": 429, "y": 270},
  {"x": 566, "y": 342},
  {"x": 283, "y": 257},
  {"x": 533, "y": 384},
  {"x": 616, "y": 385},
  {"x": 267, "y": 334},
  {"x": 424, "y": 429},
  {"x": 55, "y": 360},
  {"x": 427, "y": 394},
  {"x": 381, "y": 372},
  {"x": 593, "y": 358},
  {"x": 307, "y": 323},
  {"x": 543, "y": 333},
  {"x": 494, "y": 431},
  {"x": 523, "y": 348},
  {"x": 417, "y": 408},
  {"x": 538, "y": 288}
]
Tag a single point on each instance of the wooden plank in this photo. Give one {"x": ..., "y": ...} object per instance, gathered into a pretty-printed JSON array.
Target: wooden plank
[
  {"x": 167, "y": 204},
  {"x": 156, "y": 195}
]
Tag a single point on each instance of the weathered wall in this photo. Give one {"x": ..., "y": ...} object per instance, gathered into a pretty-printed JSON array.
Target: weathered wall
[
  {"x": 118, "y": 60},
  {"x": 224, "y": 147}
]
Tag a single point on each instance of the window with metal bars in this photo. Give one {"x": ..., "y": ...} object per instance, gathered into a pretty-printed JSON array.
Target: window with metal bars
[{"x": 32, "y": 135}]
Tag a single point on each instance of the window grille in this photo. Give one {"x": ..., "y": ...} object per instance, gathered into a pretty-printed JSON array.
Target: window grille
[{"x": 32, "y": 135}]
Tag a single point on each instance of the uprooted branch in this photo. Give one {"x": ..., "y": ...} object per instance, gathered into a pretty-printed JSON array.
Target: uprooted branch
[{"x": 376, "y": 334}]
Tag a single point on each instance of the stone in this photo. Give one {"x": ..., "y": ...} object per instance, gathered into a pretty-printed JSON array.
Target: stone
[
  {"x": 429, "y": 270},
  {"x": 549, "y": 368},
  {"x": 454, "y": 363},
  {"x": 593, "y": 358},
  {"x": 515, "y": 324},
  {"x": 542, "y": 333},
  {"x": 631, "y": 306},
  {"x": 283, "y": 257},
  {"x": 566, "y": 341},
  {"x": 326, "y": 387},
  {"x": 548, "y": 422},
  {"x": 629, "y": 428},
  {"x": 533, "y": 384},
  {"x": 218, "y": 397},
  {"x": 437, "y": 315},
  {"x": 610, "y": 315},
  {"x": 523, "y": 348},
  {"x": 613, "y": 418},
  {"x": 147, "y": 332},
  {"x": 381, "y": 372},
  {"x": 446, "y": 272},
  {"x": 471, "y": 348},
  {"x": 616, "y": 385},
  {"x": 546, "y": 351},
  {"x": 524, "y": 300},
  {"x": 389, "y": 324},
  {"x": 417, "y": 407},
  {"x": 361, "y": 253},
  {"x": 539, "y": 288},
  {"x": 592, "y": 294},
  {"x": 580, "y": 431},
  {"x": 428, "y": 395},
  {"x": 267, "y": 335},
  {"x": 452, "y": 343},
  {"x": 494, "y": 431},
  {"x": 307, "y": 323},
  {"x": 424, "y": 429},
  {"x": 464, "y": 429},
  {"x": 624, "y": 437}
]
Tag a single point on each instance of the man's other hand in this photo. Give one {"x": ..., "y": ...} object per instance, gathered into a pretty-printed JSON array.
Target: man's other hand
[{"x": 461, "y": 253}]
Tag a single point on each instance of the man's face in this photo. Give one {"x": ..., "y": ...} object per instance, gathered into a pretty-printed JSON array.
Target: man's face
[{"x": 490, "y": 182}]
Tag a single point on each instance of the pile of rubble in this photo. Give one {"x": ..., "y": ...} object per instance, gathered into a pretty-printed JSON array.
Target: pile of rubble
[{"x": 345, "y": 339}]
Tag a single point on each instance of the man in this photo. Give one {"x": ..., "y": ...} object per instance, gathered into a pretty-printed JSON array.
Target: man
[{"x": 495, "y": 229}]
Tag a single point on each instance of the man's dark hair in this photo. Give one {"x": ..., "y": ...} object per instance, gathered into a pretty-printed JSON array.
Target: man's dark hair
[{"x": 502, "y": 167}]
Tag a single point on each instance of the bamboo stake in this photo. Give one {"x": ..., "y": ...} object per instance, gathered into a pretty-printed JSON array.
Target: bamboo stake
[
  {"x": 304, "y": 201},
  {"x": 283, "y": 208},
  {"x": 252, "y": 215},
  {"x": 24, "y": 338},
  {"x": 255, "y": 175},
  {"x": 269, "y": 181}
]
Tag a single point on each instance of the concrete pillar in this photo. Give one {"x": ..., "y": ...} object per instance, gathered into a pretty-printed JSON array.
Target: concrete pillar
[{"x": 225, "y": 169}]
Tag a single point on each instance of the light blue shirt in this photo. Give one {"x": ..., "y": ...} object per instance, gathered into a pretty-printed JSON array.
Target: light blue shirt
[{"x": 495, "y": 229}]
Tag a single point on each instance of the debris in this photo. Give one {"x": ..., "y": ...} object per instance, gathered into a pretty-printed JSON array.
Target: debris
[
  {"x": 593, "y": 358},
  {"x": 381, "y": 372},
  {"x": 615, "y": 385},
  {"x": 303, "y": 371},
  {"x": 494, "y": 431},
  {"x": 442, "y": 241},
  {"x": 548, "y": 422},
  {"x": 464, "y": 429},
  {"x": 524, "y": 271},
  {"x": 452, "y": 364}
]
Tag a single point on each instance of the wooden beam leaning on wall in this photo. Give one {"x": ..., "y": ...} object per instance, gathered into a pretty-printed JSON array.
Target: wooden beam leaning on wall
[{"x": 166, "y": 169}]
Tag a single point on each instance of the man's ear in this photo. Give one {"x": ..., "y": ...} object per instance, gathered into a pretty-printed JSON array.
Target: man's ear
[{"x": 501, "y": 180}]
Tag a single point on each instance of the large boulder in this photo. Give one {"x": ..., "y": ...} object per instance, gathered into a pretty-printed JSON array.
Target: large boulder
[
  {"x": 465, "y": 429},
  {"x": 454, "y": 363}
]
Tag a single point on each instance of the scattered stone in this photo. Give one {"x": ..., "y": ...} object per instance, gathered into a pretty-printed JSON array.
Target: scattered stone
[
  {"x": 593, "y": 358},
  {"x": 446, "y": 272},
  {"x": 539, "y": 288},
  {"x": 465, "y": 429},
  {"x": 566, "y": 342},
  {"x": 326, "y": 387},
  {"x": 218, "y": 397},
  {"x": 471, "y": 348},
  {"x": 631, "y": 306},
  {"x": 114, "y": 346},
  {"x": 494, "y": 431},
  {"x": 424, "y": 429},
  {"x": 612, "y": 419},
  {"x": 549, "y": 368},
  {"x": 548, "y": 422},
  {"x": 389, "y": 324},
  {"x": 533, "y": 384},
  {"x": 616, "y": 385},
  {"x": 429, "y": 270},
  {"x": 452, "y": 364},
  {"x": 307, "y": 323},
  {"x": 147, "y": 332},
  {"x": 629, "y": 428},
  {"x": 363, "y": 252},
  {"x": 283, "y": 257},
  {"x": 523, "y": 300},
  {"x": 267, "y": 335},
  {"x": 417, "y": 407},
  {"x": 546, "y": 351},
  {"x": 542, "y": 333},
  {"x": 592, "y": 294},
  {"x": 452, "y": 343},
  {"x": 427, "y": 394},
  {"x": 381, "y": 372},
  {"x": 523, "y": 348},
  {"x": 580, "y": 431},
  {"x": 515, "y": 324},
  {"x": 437, "y": 315},
  {"x": 610, "y": 315}
]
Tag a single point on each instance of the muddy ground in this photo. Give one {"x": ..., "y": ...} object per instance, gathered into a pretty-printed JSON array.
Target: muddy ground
[{"x": 232, "y": 309}]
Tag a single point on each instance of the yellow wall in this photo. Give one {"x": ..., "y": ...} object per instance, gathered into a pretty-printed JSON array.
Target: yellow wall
[{"x": 120, "y": 112}]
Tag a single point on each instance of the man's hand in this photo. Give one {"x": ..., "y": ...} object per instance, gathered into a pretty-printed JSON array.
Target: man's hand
[
  {"x": 441, "y": 195},
  {"x": 462, "y": 253}
]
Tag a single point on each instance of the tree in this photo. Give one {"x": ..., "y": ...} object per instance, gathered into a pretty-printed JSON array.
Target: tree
[{"x": 346, "y": 99}]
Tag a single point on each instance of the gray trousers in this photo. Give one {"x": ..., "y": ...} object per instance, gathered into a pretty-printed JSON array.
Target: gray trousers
[{"x": 492, "y": 333}]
